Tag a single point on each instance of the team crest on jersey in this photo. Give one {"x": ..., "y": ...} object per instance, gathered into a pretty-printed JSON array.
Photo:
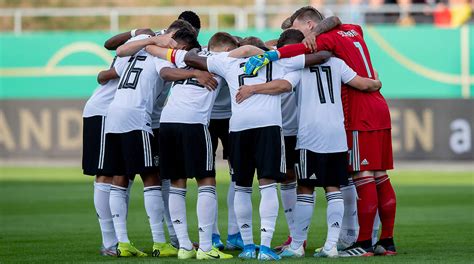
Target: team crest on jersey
[{"x": 156, "y": 160}]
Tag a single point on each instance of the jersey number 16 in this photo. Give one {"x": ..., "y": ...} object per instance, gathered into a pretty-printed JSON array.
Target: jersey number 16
[{"x": 131, "y": 74}]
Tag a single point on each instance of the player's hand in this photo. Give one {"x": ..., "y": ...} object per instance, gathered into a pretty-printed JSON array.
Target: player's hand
[
  {"x": 164, "y": 41},
  {"x": 206, "y": 79},
  {"x": 145, "y": 31},
  {"x": 376, "y": 75},
  {"x": 245, "y": 91},
  {"x": 255, "y": 63},
  {"x": 310, "y": 41}
]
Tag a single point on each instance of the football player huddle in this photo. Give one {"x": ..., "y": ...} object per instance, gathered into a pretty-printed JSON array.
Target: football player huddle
[{"x": 302, "y": 111}]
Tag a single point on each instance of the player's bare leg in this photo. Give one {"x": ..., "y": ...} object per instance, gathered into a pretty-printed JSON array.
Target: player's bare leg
[
  {"x": 102, "y": 208},
  {"x": 387, "y": 209},
  {"x": 288, "y": 198}
]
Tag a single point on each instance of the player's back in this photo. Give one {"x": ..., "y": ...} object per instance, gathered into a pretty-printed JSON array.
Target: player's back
[
  {"x": 137, "y": 90},
  {"x": 320, "y": 112},
  {"x": 259, "y": 110},
  {"x": 189, "y": 101},
  {"x": 364, "y": 111}
]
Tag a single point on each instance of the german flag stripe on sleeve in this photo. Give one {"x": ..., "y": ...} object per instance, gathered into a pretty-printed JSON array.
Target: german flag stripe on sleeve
[{"x": 171, "y": 55}]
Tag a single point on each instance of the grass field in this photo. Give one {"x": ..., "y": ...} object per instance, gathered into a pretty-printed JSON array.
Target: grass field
[{"x": 47, "y": 215}]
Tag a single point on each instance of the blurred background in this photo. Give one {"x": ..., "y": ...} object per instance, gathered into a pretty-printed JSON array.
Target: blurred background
[{"x": 52, "y": 50}]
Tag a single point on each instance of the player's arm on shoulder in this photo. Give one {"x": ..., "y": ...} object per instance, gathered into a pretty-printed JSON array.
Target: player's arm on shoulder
[
  {"x": 132, "y": 47},
  {"x": 104, "y": 76},
  {"x": 326, "y": 25},
  {"x": 274, "y": 87},
  {"x": 203, "y": 77},
  {"x": 271, "y": 43},
  {"x": 245, "y": 51},
  {"x": 114, "y": 42},
  {"x": 365, "y": 84},
  {"x": 156, "y": 51},
  {"x": 192, "y": 59},
  {"x": 319, "y": 57}
]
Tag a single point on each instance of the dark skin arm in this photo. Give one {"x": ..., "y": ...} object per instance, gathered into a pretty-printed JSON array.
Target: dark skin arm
[
  {"x": 324, "y": 26},
  {"x": 203, "y": 77},
  {"x": 104, "y": 76},
  {"x": 192, "y": 59},
  {"x": 116, "y": 41},
  {"x": 319, "y": 57}
]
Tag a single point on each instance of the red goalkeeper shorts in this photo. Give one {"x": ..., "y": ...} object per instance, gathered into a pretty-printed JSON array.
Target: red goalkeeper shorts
[{"x": 370, "y": 150}]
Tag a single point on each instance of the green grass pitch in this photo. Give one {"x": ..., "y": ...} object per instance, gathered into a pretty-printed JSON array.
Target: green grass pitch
[{"x": 47, "y": 215}]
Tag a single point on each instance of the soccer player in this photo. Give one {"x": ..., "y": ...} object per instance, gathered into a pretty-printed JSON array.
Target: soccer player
[
  {"x": 368, "y": 127},
  {"x": 129, "y": 149},
  {"x": 94, "y": 115},
  {"x": 321, "y": 142},
  {"x": 219, "y": 130},
  {"x": 256, "y": 142},
  {"x": 186, "y": 152}
]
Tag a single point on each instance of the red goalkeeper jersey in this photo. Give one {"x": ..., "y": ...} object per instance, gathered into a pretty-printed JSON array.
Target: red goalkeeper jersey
[{"x": 362, "y": 111}]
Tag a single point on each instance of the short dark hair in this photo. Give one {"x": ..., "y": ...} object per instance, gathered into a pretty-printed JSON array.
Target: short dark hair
[
  {"x": 307, "y": 13},
  {"x": 179, "y": 24},
  {"x": 192, "y": 18},
  {"x": 286, "y": 24},
  {"x": 254, "y": 41},
  {"x": 222, "y": 39},
  {"x": 239, "y": 39},
  {"x": 290, "y": 36},
  {"x": 187, "y": 36}
]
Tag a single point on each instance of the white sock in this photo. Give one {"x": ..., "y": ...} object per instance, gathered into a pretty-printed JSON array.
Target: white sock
[
  {"x": 268, "y": 212},
  {"x": 375, "y": 230},
  {"x": 102, "y": 208},
  {"x": 154, "y": 208},
  {"x": 232, "y": 226},
  {"x": 243, "y": 212},
  {"x": 206, "y": 213},
  {"x": 118, "y": 208},
  {"x": 334, "y": 214},
  {"x": 129, "y": 189},
  {"x": 288, "y": 201},
  {"x": 215, "y": 226},
  {"x": 165, "y": 190},
  {"x": 304, "y": 210},
  {"x": 350, "y": 224},
  {"x": 177, "y": 205}
]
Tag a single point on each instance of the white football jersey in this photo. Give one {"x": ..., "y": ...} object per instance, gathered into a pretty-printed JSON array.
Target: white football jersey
[
  {"x": 137, "y": 91},
  {"x": 320, "y": 114},
  {"x": 104, "y": 94},
  {"x": 288, "y": 113},
  {"x": 259, "y": 110},
  {"x": 222, "y": 105},
  {"x": 189, "y": 102},
  {"x": 160, "y": 101}
]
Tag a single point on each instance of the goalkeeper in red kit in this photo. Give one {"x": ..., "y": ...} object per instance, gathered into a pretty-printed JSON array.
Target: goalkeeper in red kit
[{"x": 368, "y": 127}]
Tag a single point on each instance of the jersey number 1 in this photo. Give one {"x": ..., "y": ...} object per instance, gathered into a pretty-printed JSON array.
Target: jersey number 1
[
  {"x": 327, "y": 71},
  {"x": 361, "y": 50},
  {"x": 131, "y": 72}
]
